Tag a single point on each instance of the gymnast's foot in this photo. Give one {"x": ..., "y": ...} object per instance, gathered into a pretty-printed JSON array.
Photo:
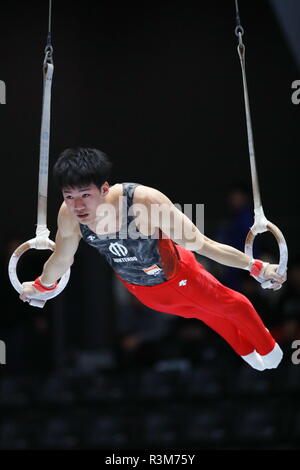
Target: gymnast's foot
[
  {"x": 273, "y": 358},
  {"x": 255, "y": 360}
]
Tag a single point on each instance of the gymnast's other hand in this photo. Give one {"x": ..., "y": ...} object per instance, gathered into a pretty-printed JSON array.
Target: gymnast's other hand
[
  {"x": 268, "y": 276},
  {"x": 269, "y": 272},
  {"x": 28, "y": 291}
]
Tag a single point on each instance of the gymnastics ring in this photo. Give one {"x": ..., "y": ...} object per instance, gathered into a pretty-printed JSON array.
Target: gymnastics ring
[
  {"x": 261, "y": 223},
  {"x": 41, "y": 241},
  {"x": 40, "y": 299}
]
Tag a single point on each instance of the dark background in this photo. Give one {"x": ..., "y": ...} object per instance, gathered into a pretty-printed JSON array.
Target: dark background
[{"x": 158, "y": 87}]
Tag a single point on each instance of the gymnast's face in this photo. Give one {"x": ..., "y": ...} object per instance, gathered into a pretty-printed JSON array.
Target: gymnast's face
[{"x": 83, "y": 202}]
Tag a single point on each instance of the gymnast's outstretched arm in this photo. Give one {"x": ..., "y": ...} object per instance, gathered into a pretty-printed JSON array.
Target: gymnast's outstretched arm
[
  {"x": 67, "y": 241},
  {"x": 175, "y": 222}
]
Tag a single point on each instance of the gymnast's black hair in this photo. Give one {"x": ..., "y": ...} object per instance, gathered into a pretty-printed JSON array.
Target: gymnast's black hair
[{"x": 79, "y": 167}]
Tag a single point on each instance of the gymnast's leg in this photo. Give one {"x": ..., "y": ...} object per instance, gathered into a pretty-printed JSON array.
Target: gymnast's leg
[{"x": 233, "y": 317}]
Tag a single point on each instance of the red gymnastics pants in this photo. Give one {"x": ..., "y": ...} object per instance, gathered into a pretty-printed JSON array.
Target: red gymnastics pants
[{"x": 194, "y": 293}]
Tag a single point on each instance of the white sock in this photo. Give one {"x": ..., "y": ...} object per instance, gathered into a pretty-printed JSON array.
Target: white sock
[
  {"x": 254, "y": 360},
  {"x": 273, "y": 358}
]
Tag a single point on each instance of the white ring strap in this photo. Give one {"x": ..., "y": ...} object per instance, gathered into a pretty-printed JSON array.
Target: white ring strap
[{"x": 41, "y": 241}]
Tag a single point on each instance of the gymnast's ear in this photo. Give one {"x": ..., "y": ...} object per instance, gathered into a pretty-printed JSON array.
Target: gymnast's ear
[{"x": 104, "y": 188}]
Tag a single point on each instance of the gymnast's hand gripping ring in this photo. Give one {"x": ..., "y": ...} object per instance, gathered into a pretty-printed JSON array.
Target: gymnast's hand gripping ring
[{"x": 40, "y": 298}]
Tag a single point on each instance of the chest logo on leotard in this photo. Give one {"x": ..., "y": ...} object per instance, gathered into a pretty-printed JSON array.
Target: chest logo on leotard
[
  {"x": 121, "y": 251},
  {"x": 117, "y": 249}
]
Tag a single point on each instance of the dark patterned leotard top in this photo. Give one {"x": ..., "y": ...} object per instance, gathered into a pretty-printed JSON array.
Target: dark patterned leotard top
[{"x": 136, "y": 258}]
